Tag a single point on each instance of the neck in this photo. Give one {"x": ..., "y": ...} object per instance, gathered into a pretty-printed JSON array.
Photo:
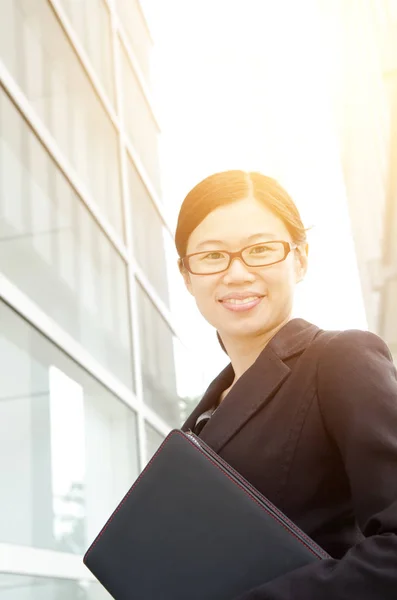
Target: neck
[{"x": 244, "y": 351}]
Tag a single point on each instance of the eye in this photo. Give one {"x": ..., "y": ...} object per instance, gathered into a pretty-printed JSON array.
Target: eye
[
  {"x": 213, "y": 256},
  {"x": 261, "y": 249}
]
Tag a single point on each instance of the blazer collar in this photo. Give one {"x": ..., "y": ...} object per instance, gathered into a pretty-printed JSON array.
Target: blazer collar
[{"x": 254, "y": 389}]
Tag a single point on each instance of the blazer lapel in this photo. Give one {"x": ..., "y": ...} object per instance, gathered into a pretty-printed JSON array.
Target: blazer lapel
[{"x": 257, "y": 386}]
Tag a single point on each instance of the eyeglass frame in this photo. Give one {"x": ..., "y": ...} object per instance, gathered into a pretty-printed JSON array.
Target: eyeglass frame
[{"x": 288, "y": 247}]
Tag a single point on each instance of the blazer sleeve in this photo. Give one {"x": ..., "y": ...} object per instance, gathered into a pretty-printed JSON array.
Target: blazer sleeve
[{"x": 357, "y": 393}]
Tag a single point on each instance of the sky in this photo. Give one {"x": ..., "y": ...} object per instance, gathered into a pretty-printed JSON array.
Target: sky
[{"x": 248, "y": 84}]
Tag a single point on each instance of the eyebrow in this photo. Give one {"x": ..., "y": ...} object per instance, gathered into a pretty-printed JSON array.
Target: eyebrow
[{"x": 251, "y": 238}]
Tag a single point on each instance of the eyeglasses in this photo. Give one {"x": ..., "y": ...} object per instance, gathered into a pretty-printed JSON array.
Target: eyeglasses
[{"x": 211, "y": 262}]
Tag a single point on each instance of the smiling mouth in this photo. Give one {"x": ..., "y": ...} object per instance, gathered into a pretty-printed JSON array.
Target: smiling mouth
[
  {"x": 241, "y": 300},
  {"x": 241, "y": 304}
]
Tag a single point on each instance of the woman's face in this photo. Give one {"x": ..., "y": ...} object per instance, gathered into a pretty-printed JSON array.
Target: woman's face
[{"x": 219, "y": 296}]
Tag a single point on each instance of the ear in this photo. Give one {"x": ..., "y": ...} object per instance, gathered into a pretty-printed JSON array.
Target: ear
[
  {"x": 186, "y": 276},
  {"x": 301, "y": 261}
]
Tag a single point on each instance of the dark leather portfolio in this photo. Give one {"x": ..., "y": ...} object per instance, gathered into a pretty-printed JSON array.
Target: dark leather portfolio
[{"x": 192, "y": 528}]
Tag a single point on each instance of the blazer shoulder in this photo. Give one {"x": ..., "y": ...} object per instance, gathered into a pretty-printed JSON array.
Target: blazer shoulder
[
  {"x": 353, "y": 345},
  {"x": 356, "y": 369}
]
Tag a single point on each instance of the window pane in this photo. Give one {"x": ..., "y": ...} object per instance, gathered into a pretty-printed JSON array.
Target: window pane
[
  {"x": 54, "y": 251},
  {"x": 140, "y": 125},
  {"x": 157, "y": 358},
  {"x": 72, "y": 444},
  {"x": 35, "y": 50},
  {"x": 153, "y": 441},
  {"x": 131, "y": 18},
  {"x": 148, "y": 249},
  {"x": 171, "y": 378},
  {"x": 24, "y": 587},
  {"x": 190, "y": 380},
  {"x": 91, "y": 21}
]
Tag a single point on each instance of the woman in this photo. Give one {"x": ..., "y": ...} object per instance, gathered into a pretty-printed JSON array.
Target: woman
[{"x": 308, "y": 417}]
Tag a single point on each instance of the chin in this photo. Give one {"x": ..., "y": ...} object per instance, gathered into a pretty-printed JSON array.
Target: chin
[
  {"x": 244, "y": 330},
  {"x": 254, "y": 328}
]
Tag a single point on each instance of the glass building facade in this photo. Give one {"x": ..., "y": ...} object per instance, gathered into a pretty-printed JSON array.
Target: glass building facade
[
  {"x": 366, "y": 44},
  {"x": 88, "y": 369}
]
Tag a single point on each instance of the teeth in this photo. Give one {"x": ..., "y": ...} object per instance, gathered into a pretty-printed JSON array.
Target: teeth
[{"x": 238, "y": 301}]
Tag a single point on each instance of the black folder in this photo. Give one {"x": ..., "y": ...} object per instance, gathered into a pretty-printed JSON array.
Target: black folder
[{"x": 191, "y": 527}]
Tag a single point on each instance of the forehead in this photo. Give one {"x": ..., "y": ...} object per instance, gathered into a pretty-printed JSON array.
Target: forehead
[{"x": 234, "y": 223}]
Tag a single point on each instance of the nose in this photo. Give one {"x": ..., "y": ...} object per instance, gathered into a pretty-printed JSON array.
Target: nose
[{"x": 238, "y": 272}]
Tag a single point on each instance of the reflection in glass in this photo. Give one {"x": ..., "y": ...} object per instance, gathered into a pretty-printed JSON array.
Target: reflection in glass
[
  {"x": 67, "y": 459},
  {"x": 133, "y": 21},
  {"x": 24, "y": 587},
  {"x": 91, "y": 22},
  {"x": 54, "y": 251},
  {"x": 171, "y": 377},
  {"x": 153, "y": 441},
  {"x": 140, "y": 125},
  {"x": 72, "y": 442},
  {"x": 148, "y": 249},
  {"x": 157, "y": 357},
  {"x": 190, "y": 383},
  {"x": 35, "y": 50}
]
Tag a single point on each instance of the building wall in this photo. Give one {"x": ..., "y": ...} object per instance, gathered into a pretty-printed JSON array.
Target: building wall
[
  {"x": 88, "y": 377},
  {"x": 388, "y": 42},
  {"x": 365, "y": 42}
]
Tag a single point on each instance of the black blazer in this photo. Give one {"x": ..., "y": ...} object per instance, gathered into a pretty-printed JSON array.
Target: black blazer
[{"x": 313, "y": 426}]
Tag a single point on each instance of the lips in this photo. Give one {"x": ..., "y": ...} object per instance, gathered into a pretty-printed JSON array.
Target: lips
[
  {"x": 239, "y": 302},
  {"x": 240, "y": 298}
]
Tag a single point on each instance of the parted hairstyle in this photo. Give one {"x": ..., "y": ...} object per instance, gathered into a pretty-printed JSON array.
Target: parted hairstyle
[{"x": 226, "y": 187}]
